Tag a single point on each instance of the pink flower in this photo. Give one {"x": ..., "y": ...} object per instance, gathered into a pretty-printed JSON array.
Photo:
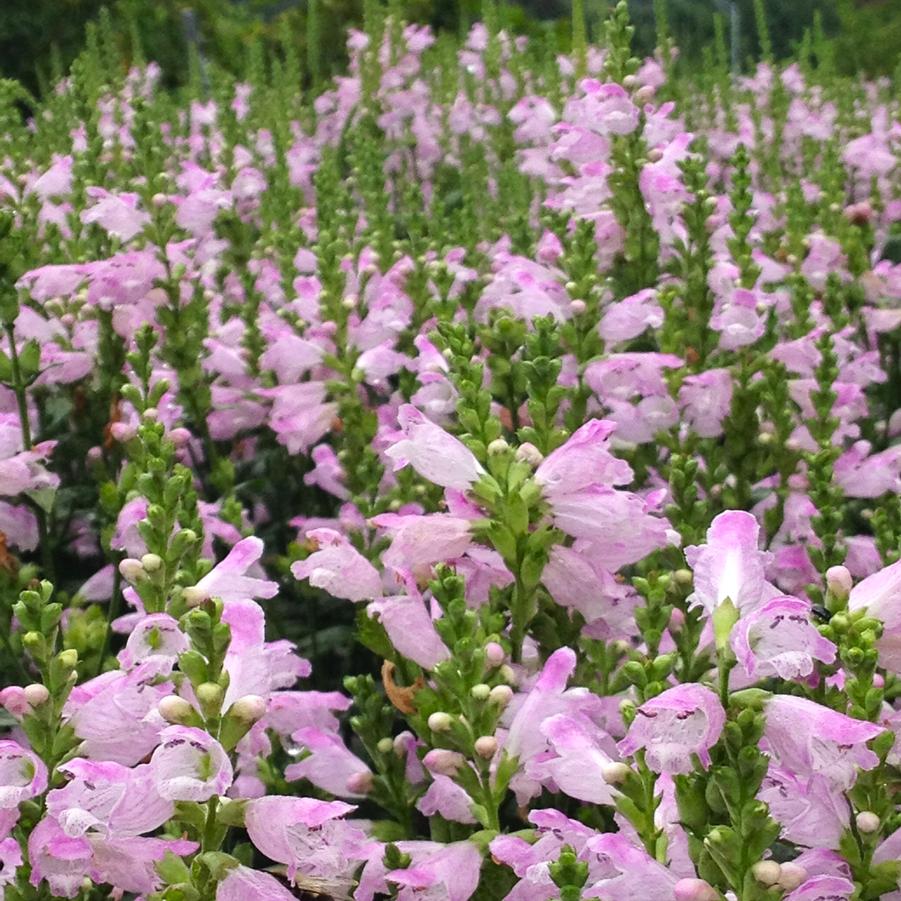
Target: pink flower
[
  {"x": 730, "y": 565},
  {"x": 308, "y": 836},
  {"x": 420, "y": 540},
  {"x": 409, "y": 625},
  {"x": 116, "y": 214},
  {"x": 578, "y": 768},
  {"x": 620, "y": 871},
  {"x": 242, "y": 883},
  {"x": 23, "y": 775},
  {"x": 328, "y": 764},
  {"x": 706, "y": 400},
  {"x": 685, "y": 720},
  {"x": 779, "y": 639},
  {"x": 629, "y": 317},
  {"x": 157, "y": 635},
  {"x": 811, "y": 811},
  {"x": 451, "y": 873},
  {"x": 806, "y": 738},
  {"x": 433, "y": 453},
  {"x": 584, "y": 460},
  {"x": 823, "y": 888},
  {"x": 108, "y": 798},
  {"x": 880, "y": 595},
  {"x": 190, "y": 765},
  {"x": 229, "y": 581},
  {"x": 10, "y": 860},
  {"x": 338, "y": 568}
]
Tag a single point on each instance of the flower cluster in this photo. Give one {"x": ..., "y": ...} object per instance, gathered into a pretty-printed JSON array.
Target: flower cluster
[{"x": 477, "y": 479}]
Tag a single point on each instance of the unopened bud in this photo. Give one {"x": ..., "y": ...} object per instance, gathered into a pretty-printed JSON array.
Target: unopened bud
[
  {"x": 193, "y": 596},
  {"x": 385, "y": 745},
  {"x": 443, "y": 762},
  {"x": 694, "y": 890},
  {"x": 159, "y": 200},
  {"x": 210, "y": 695},
  {"x": 151, "y": 414},
  {"x": 501, "y": 695},
  {"x": 498, "y": 447},
  {"x": 68, "y": 658},
  {"x": 122, "y": 432},
  {"x": 683, "y": 576},
  {"x": 867, "y": 821},
  {"x": 440, "y": 722},
  {"x": 480, "y": 692},
  {"x": 494, "y": 654},
  {"x": 577, "y": 307},
  {"x": 507, "y": 673},
  {"x": 359, "y": 783},
  {"x": 174, "y": 709},
  {"x": 645, "y": 94},
  {"x": 615, "y": 772},
  {"x": 486, "y": 746},
  {"x": 36, "y": 694},
  {"x": 791, "y": 875},
  {"x": 179, "y": 436},
  {"x": 528, "y": 453},
  {"x": 130, "y": 569},
  {"x": 838, "y": 581},
  {"x": 766, "y": 872},
  {"x": 349, "y": 303},
  {"x": 248, "y": 709},
  {"x": 151, "y": 562}
]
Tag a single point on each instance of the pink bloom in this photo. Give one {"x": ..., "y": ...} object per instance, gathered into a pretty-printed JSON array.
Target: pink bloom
[
  {"x": 730, "y": 565},
  {"x": 584, "y": 460},
  {"x": 435, "y": 454},
  {"x": 107, "y": 798},
  {"x": 242, "y": 883},
  {"x": 116, "y": 214},
  {"x": 157, "y": 635},
  {"x": 578, "y": 768},
  {"x": 420, "y": 540},
  {"x": 620, "y": 871},
  {"x": 22, "y": 775},
  {"x": 880, "y": 594},
  {"x": 409, "y": 625},
  {"x": 706, "y": 400},
  {"x": 451, "y": 873},
  {"x": 190, "y": 765},
  {"x": 328, "y": 764},
  {"x": 228, "y": 579},
  {"x": 448, "y": 799},
  {"x": 629, "y": 317},
  {"x": 338, "y": 568},
  {"x": 823, "y": 888},
  {"x": 807, "y": 738},
  {"x": 779, "y": 639},
  {"x": 738, "y": 321},
  {"x": 308, "y": 836},
  {"x": 10, "y": 860},
  {"x": 685, "y": 720},
  {"x": 811, "y": 811}
]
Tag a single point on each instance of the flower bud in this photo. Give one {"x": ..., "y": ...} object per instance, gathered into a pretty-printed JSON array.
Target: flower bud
[
  {"x": 36, "y": 694},
  {"x": 248, "y": 709},
  {"x": 498, "y": 447},
  {"x": 151, "y": 562},
  {"x": 122, "y": 432},
  {"x": 359, "y": 783},
  {"x": 577, "y": 307},
  {"x": 694, "y": 890},
  {"x": 174, "y": 709},
  {"x": 349, "y": 303},
  {"x": 486, "y": 746},
  {"x": 494, "y": 654},
  {"x": 385, "y": 745},
  {"x": 179, "y": 436},
  {"x": 615, "y": 772},
  {"x": 193, "y": 596},
  {"x": 683, "y": 576},
  {"x": 480, "y": 692},
  {"x": 766, "y": 872},
  {"x": 501, "y": 695},
  {"x": 838, "y": 581},
  {"x": 645, "y": 94},
  {"x": 210, "y": 695},
  {"x": 507, "y": 673},
  {"x": 151, "y": 414},
  {"x": 68, "y": 658},
  {"x": 867, "y": 821},
  {"x": 159, "y": 200},
  {"x": 440, "y": 722},
  {"x": 791, "y": 875},
  {"x": 528, "y": 453},
  {"x": 131, "y": 569},
  {"x": 443, "y": 762}
]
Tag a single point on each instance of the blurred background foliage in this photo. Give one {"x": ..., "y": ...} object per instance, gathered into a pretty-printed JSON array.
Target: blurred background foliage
[{"x": 39, "y": 38}]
